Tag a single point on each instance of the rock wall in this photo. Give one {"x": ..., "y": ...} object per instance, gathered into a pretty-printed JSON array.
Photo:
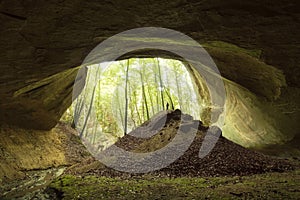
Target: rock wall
[
  {"x": 43, "y": 43},
  {"x": 22, "y": 150},
  {"x": 41, "y": 39}
]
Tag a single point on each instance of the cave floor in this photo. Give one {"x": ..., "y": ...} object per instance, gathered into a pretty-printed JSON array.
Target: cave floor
[
  {"x": 263, "y": 186},
  {"x": 84, "y": 181},
  {"x": 284, "y": 185}
]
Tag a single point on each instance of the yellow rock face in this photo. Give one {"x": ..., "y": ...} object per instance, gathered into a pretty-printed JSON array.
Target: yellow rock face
[{"x": 22, "y": 150}]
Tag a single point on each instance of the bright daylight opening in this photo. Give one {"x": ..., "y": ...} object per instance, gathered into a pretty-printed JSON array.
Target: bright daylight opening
[{"x": 120, "y": 96}]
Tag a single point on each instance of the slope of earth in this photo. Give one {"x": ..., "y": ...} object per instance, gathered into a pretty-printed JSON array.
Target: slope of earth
[
  {"x": 229, "y": 170},
  {"x": 225, "y": 159}
]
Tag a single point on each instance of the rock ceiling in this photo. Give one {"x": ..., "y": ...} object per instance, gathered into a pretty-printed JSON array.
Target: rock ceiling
[{"x": 42, "y": 43}]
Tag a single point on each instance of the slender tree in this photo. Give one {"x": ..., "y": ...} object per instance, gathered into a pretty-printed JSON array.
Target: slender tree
[
  {"x": 99, "y": 111},
  {"x": 136, "y": 107},
  {"x": 161, "y": 86},
  {"x": 131, "y": 105},
  {"x": 178, "y": 85},
  {"x": 126, "y": 99},
  {"x": 142, "y": 72},
  {"x": 89, "y": 107},
  {"x": 157, "y": 90},
  {"x": 80, "y": 100},
  {"x": 151, "y": 99},
  {"x": 120, "y": 108}
]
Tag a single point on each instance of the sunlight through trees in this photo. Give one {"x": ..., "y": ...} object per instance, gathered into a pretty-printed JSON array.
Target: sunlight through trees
[{"x": 121, "y": 95}]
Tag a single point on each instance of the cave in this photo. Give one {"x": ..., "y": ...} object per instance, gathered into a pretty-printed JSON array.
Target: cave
[{"x": 47, "y": 46}]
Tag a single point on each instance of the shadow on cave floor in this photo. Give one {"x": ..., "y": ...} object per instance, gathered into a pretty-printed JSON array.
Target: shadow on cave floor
[
  {"x": 230, "y": 171},
  {"x": 290, "y": 149}
]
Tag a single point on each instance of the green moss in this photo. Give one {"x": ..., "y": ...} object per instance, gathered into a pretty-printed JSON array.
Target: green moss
[
  {"x": 270, "y": 185},
  {"x": 159, "y": 40},
  {"x": 233, "y": 48}
]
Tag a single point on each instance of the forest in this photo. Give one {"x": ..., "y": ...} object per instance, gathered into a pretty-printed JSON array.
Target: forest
[{"x": 121, "y": 95}]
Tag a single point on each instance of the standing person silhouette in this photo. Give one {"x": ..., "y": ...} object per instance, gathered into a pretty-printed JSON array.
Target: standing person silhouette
[{"x": 167, "y": 106}]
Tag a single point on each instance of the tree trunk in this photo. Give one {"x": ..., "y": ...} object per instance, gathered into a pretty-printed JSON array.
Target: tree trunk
[
  {"x": 90, "y": 108},
  {"x": 160, "y": 84},
  {"x": 126, "y": 100}
]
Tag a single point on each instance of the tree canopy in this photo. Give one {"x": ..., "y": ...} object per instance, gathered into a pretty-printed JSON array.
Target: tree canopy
[{"x": 121, "y": 95}]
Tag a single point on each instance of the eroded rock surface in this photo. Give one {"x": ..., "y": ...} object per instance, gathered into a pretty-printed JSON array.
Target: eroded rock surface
[{"x": 41, "y": 39}]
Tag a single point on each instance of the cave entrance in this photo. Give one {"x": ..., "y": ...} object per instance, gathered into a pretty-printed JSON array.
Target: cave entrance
[{"x": 121, "y": 95}]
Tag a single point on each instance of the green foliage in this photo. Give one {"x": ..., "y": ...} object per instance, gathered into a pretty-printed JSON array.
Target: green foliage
[
  {"x": 125, "y": 94},
  {"x": 68, "y": 116}
]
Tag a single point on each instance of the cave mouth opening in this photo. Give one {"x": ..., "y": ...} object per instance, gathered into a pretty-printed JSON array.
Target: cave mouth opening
[{"x": 121, "y": 95}]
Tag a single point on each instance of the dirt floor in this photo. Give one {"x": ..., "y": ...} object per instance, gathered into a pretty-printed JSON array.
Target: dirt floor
[
  {"x": 263, "y": 186},
  {"x": 225, "y": 159},
  {"x": 229, "y": 171}
]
